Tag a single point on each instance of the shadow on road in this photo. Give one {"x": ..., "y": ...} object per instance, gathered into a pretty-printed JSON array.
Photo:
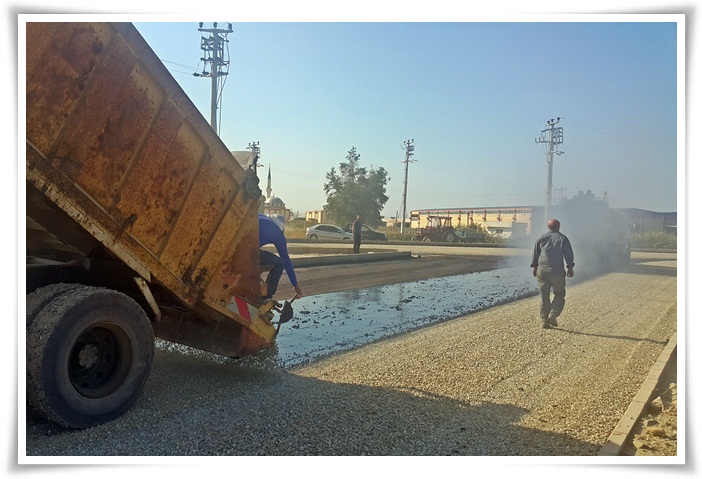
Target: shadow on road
[
  {"x": 608, "y": 336},
  {"x": 201, "y": 408}
]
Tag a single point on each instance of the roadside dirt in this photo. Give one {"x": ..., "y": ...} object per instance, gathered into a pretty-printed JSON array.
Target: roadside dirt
[{"x": 656, "y": 433}]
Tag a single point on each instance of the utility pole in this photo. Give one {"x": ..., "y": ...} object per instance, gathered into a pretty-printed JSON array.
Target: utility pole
[
  {"x": 409, "y": 152},
  {"x": 561, "y": 190},
  {"x": 254, "y": 148},
  {"x": 552, "y": 136},
  {"x": 213, "y": 46}
]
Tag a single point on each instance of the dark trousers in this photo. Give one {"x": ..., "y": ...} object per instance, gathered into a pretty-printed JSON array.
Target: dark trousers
[
  {"x": 551, "y": 280},
  {"x": 356, "y": 244},
  {"x": 277, "y": 266}
]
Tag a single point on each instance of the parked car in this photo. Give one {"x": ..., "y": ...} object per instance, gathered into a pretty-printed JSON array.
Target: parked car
[
  {"x": 328, "y": 232},
  {"x": 368, "y": 234}
]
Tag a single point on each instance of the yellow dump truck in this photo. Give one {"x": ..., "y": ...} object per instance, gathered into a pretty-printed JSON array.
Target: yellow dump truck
[{"x": 140, "y": 224}]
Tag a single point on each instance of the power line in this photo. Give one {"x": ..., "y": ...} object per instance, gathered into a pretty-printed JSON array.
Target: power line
[
  {"x": 471, "y": 174},
  {"x": 647, "y": 137},
  {"x": 181, "y": 65},
  {"x": 454, "y": 194}
]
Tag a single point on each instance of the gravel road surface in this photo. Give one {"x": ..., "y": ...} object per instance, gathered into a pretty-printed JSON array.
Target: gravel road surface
[{"x": 492, "y": 383}]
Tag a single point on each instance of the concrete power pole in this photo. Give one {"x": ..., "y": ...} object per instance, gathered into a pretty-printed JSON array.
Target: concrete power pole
[
  {"x": 409, "y": 152},
  {"x": 213, "y": 46},
  {"x": 256, "y": 150},
  {"x": 552, "y": 137}
]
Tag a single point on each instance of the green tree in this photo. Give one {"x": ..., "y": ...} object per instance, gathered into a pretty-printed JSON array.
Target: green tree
[{"x": 355, "y": 190}]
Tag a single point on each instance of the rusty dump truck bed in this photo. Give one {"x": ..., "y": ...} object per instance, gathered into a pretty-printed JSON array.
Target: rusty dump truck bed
[{"x": 124, "y": 169}]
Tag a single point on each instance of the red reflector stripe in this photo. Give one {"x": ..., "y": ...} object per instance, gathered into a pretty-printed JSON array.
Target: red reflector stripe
[{"x": 243, "y": 308}]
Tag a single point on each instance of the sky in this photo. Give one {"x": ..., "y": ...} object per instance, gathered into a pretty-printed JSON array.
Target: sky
[{"x": 473, "y": 96}]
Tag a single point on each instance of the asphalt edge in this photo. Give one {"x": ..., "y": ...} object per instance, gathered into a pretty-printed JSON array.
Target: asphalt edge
[{"x": 622, "y": 432}]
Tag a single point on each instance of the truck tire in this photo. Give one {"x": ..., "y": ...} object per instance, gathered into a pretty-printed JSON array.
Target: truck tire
[
  {"x": 426, "y": 239},
  {"x": 89, "y": 355},
  {"x": 40, "y": 297}
]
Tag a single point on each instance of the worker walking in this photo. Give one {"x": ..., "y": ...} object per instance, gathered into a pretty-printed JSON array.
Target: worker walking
[{"x": 551, "y": 250}]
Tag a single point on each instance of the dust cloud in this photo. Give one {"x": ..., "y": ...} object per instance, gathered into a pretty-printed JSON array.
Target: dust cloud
[{"x": 599, "y": 235}]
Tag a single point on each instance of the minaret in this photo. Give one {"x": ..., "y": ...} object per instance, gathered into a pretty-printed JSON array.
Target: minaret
[{"x": 269, "y": 190}]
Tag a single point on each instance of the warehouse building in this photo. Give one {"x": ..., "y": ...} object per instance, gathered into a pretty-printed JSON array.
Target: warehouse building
[
  {"x": 643, "y": 221},
  {"x": 507, "y": 221}
]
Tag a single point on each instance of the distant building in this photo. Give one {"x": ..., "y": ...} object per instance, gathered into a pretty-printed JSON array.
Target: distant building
[
  {"x": 244, "y": 158},
  {"x": 507, "y": 221},
  {"x": 274, "y": 206},
  {"x": 269, "y": 205},
  {"x": 643, "y": 221},
  {"x": 523, "y": 221},
  {"x": 394, "y": 222},
  {"x": 318, "y": 216}
]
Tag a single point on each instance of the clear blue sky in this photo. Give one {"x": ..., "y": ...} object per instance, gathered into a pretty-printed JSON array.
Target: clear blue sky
[{"x": 473, "y": 96}]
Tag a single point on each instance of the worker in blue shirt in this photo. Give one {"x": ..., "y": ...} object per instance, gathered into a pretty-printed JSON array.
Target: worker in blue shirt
[{"x": 270, "y": 232}]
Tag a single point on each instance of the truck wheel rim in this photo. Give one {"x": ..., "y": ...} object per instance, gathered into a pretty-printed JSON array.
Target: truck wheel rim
[{"x": 98, "y": 363}]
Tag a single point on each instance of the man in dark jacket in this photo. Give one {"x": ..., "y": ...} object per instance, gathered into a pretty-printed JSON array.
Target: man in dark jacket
[
  {"x": 551, "y": 250},
  {"x": 356, "y": 232}
]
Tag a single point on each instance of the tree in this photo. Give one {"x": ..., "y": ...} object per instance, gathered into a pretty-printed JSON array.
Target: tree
[{"x": 355, "y": 190}]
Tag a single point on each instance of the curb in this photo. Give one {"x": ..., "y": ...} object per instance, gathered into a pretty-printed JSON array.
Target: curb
[
  {"x": 327, "y": 260},
  {"x": 622, "y": 432}
]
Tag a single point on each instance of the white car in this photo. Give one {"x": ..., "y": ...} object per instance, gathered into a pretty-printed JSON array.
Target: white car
[{"x": 328, "y": 232}]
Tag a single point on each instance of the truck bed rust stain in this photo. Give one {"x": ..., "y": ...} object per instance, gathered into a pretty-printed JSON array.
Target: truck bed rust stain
[{"x": 116, "y": 143}]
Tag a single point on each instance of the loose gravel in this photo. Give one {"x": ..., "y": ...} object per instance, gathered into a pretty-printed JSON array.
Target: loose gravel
[{"x": 492, "y": 383}]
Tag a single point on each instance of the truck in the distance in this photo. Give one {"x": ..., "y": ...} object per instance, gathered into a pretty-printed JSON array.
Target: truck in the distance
[
  {"x": 600, "y": 235},
  {"x": 139, "y": 223}
]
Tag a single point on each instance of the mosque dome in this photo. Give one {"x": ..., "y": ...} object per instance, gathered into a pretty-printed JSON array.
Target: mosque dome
[{"x": 275, "y": 201}]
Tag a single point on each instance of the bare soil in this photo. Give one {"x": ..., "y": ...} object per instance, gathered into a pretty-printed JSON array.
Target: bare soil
[{"x": 656, "y": 433}]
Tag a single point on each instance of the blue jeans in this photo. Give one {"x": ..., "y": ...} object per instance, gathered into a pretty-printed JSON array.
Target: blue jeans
[
  {"x": 277, "y": 266},
  {"x": 551, "y": 280}
]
